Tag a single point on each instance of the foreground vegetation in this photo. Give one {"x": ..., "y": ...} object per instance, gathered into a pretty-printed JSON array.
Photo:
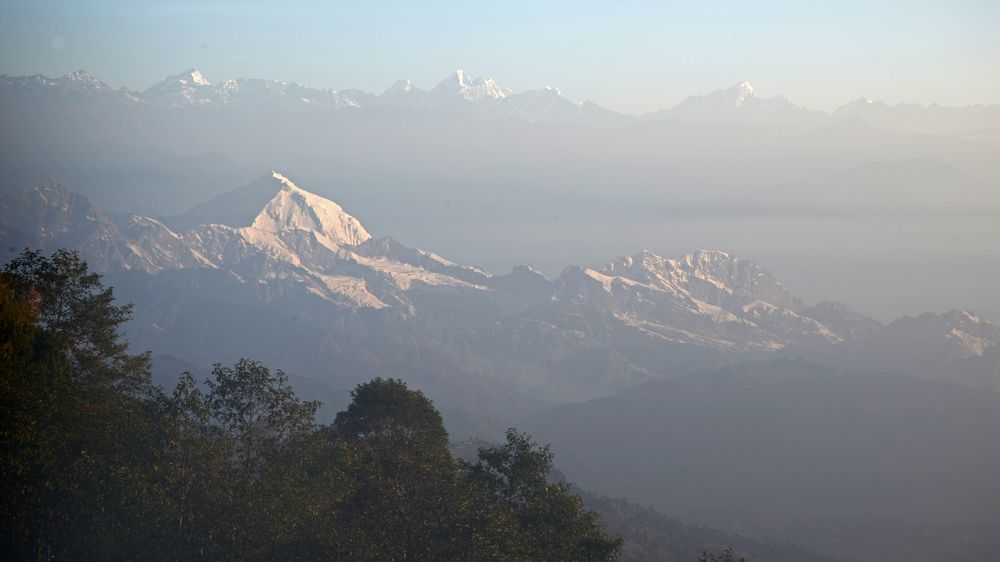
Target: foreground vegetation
[{"x": 98, "y": 463}]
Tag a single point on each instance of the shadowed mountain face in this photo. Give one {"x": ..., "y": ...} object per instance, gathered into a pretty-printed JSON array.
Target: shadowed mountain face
[
  {"x": 276, "y": 269},
  {"x": 872, "y": 466}
]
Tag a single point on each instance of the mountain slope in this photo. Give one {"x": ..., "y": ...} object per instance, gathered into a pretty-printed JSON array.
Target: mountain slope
[
  {"x": 276, "y": 269},
  {"x": 798, "y": 452}
]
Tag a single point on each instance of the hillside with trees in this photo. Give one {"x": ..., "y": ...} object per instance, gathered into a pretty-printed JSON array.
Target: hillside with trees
[{"x": 99, "y": 463}]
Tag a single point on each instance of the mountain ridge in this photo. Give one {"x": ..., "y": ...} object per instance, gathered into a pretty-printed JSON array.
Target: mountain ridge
[
  {"x": 738, "y": 104},
  {"x": 638, "y": 317}
]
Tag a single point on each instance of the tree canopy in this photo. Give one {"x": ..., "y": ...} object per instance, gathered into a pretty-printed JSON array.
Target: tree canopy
[{"x": 98, "y": 463}]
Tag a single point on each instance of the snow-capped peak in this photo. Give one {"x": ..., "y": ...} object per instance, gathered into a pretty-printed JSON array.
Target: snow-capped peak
[
  {"x": 743, "y": 91},
  {"x": 185, "y": 88},
  {"x": 190, "y": 77},
  {"x": 196, "y": 77},
  {"x": 293, "y": 208},
  {"x": 79, "y": 76},
  {"x": 478, "y": 89}
]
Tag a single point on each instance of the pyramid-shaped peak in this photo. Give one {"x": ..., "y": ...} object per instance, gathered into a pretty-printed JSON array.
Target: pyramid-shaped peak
[
  {"x": 293, "y": 208},
  {"x": 400, "y": 86}
]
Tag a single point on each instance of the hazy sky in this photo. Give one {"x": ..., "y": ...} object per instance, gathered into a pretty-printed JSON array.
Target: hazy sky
[{"x": 630, "y": 56}]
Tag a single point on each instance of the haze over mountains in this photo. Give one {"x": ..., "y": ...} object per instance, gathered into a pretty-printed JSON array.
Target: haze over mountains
[
  {"x": 522, "y": 176},
  {"x": 460, "y": 92},
  {"x": 276, "y": 245},
  {"x": 280, "y": 221},
  {"x": 274, "y": 268}
]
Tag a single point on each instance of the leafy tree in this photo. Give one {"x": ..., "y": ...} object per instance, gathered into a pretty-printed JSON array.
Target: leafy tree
[
  {"x": 386, "y": 414},
  {"x": 196, "y": 455},
  {"x": 407, "y": 481},
  {"x": 70, "y": 301},
  {"x": 258, "y": 409},
  {"x": 75, "y": 416},
  {"x": 551, "y": 519}
]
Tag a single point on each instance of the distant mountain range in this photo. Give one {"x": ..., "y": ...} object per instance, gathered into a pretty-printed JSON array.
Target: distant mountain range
[
  {"x": 484, "y": 98},
  {"x": 276, "y": 269}
]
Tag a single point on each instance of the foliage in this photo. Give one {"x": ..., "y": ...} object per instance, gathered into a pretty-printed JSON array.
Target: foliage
[
  {"x": 549, "y": 517},
  {"x": 257, "y": 409},
  {"x": 70, "y": 302},
  {"x": 99, "y": 464}
]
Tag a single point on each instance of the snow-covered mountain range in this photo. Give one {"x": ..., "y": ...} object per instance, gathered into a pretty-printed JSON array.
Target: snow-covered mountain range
[
  {"x": 741, "y": 104},
  {"x": 484, "y": 98},
  {"x": 290, "y": 275}
]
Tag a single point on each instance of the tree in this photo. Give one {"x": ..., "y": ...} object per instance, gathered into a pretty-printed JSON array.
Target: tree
[
  {"x": 552, "y": 520},
  {"x": 77, "y": 422},
  {"x": 390, "y": 416},
  {"x": 196, "y": 454},
  {"x": 71, "y": 302},
  {"x": 407, "y": 483},
  {"x": 258, "y": 409}
]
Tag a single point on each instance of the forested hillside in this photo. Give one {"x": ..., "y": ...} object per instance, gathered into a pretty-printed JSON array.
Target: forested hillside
[{"x": 98, "y": 463}]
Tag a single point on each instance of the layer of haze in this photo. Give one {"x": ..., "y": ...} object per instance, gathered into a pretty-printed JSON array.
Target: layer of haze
[
  {"x": 890, "y": 223},
  {"x": 633, "y": 56}
]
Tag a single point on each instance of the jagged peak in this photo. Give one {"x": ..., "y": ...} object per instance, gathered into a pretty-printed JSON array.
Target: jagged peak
[
  {"x": 651, "y": 261},
  {"x": 472, "y": 89},
  {"x": 191, "y": 76},
  {"x": 80, "y": 76},
  {"x": 965, "y": 316},
  {"x": 710, "y": 255}
]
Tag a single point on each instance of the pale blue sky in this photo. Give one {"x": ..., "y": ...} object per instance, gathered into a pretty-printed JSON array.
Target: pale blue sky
[{"x": 631, "y": 56}]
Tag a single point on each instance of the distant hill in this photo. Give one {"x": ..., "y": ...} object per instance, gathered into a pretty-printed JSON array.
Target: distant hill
[
  {"x": 650, "y": 535},
  {"x": 873, "y": 466}
]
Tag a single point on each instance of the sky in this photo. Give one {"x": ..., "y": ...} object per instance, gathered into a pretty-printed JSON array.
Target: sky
[{"x": 632, "y": 56}]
